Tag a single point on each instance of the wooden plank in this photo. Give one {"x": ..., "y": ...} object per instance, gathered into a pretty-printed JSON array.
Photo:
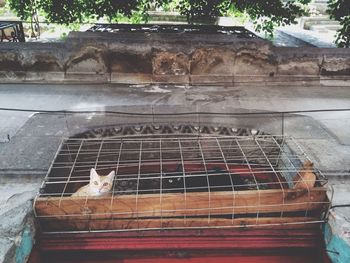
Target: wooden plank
[
  {"x": 190, "y": 204},
  {"x": 86, "y": 224},
  {"x": 222, "y": 258},
  {"x": 216, "y": 240}
]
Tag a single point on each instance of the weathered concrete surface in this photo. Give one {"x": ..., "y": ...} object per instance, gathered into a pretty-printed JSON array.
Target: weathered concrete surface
[
  {"x": 337, "y": 230},
  {"x": 169, "y": 58},
  {"x": 337, "y": 235},
  {"x": 16, "y": 218}
]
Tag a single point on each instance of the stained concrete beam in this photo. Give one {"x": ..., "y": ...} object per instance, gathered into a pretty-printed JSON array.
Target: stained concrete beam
[{"x": 168, "y": 58}]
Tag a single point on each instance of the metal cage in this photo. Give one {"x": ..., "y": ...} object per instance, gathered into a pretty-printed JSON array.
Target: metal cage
[{"x": 180, "y": 182}]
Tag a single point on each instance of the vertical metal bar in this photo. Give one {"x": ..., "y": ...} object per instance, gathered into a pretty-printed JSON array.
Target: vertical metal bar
[
  {"x": 66, "y": 122},
  {"x": 137, "y": 186},
  {"x": 256, "y": 182},
  {"x": 116, "y": 172},
  {"x": 161, "y": 183},
  {"x": 198, "y": 122},
  {"x": 231, "y": 180},
  {"x": 95, "y": 166},
  {"x": 207, "y": 176},
  {"x": 71, "y": 171},
  {"x": 184, "y": 178},
  {"x": 282, "y": 123},
  {"x": 69, "y": 153},
  {"x": 98, "y": 154},
  {"x": 280, "y": 151},
  {"x": 273, "y": 170}
]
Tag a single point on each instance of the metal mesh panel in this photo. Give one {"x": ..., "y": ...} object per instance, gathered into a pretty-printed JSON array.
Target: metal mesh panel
[{"x": 180, "y": 182}]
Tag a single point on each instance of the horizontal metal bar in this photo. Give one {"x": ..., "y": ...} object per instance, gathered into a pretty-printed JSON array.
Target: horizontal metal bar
[{"x": 182, "y": 228}]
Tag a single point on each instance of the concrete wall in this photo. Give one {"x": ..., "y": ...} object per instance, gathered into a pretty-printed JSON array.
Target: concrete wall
[
  {"x": 17, "y": 225},
  {"x": 336, "y": 235},
  {"x": 168, "y": 58}
]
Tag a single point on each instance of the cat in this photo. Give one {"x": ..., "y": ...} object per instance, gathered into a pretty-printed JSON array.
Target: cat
[
  {"x": 305, "y": 178},
  {"x": 99, "y": 185}
]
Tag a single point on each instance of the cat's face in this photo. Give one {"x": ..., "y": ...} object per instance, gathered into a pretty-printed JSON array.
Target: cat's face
[{"x": 100, "y": 185}]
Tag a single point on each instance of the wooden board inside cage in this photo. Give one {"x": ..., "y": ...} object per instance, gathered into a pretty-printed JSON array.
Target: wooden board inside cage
[
  {"x": 180, "y": 210},
  {"x": 107, "y": 224},
  {"x": 180, "y": 183}
]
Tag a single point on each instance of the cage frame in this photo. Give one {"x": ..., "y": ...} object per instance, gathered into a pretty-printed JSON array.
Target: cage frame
[{"x": 294, "y": 200}]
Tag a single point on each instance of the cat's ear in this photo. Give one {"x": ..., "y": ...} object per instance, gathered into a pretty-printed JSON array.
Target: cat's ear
[
  {"x": 111, "y": 175},
  {"x": 93, "y": 174}
]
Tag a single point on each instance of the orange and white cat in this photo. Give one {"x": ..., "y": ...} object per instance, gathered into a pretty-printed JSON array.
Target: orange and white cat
[
  {"x": 306, "y": 178},
  {"x": 99, "y": 185}
]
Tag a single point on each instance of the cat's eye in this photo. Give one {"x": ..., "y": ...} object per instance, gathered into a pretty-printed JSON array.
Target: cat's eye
[
  {"x": 105, "y": 184},
  {"x": 95, "y": 183}
]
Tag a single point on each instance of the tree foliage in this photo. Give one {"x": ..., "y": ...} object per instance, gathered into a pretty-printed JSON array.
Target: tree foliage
[
  {"x": 266, "y": 14},
  {"x": 70, "y": 11},
  {"x": 340, "y": 10}
]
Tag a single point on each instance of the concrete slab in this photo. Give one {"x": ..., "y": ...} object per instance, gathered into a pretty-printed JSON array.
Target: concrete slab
[
  {"x": 16, "y": 218},
  {"x": 314, "y": 38},
  {"x": 327, "y": 154},
  {"x": 8, "y": 249}
]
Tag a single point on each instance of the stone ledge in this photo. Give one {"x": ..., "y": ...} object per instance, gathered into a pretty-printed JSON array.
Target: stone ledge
[
  {"x": 101, "y": 58},
  {"x": 131, "y": 78},
  {"x": 210, "y": 79},
  {"x": 139, "y": 78},
  {"x": 45, "y": 77},
  {"x": 86, "y": 77}
]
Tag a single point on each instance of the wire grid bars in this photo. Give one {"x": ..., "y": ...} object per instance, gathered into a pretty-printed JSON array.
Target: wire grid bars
[{"x": 176, "y": 182}]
